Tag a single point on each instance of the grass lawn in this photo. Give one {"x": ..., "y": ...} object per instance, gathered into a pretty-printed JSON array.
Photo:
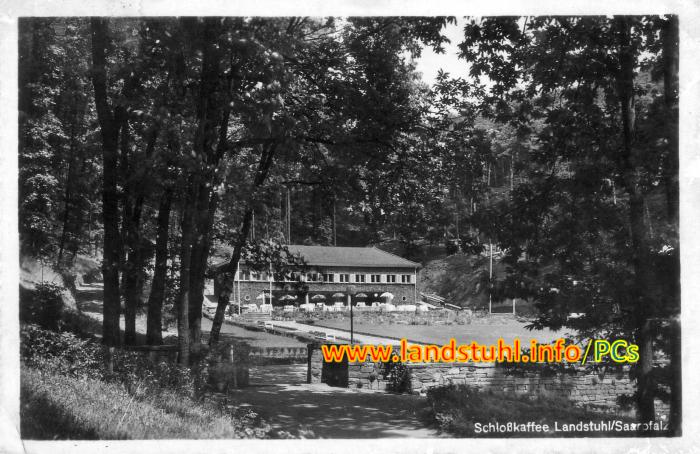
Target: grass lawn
[
  {"x": 252, "y": 338},
  {"x": 479, "y": 331}
]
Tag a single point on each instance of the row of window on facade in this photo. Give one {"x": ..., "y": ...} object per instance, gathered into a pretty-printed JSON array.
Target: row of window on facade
[{"x": 328, "y": 277}]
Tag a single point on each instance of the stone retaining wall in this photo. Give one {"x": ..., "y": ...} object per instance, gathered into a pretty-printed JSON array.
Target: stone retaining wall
[
  {"x": 280, "y": 352},
  {"x": 598, "y": 391}
]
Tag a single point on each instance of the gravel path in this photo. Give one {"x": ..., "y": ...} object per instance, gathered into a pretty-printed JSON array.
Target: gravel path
[{"x": 281, "y": 397}]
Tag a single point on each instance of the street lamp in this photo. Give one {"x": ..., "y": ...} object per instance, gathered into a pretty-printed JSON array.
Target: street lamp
[{"x": 350, "y": 290}]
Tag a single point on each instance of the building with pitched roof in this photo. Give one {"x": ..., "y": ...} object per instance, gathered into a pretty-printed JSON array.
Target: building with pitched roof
[{"x": 375, "y": 277}]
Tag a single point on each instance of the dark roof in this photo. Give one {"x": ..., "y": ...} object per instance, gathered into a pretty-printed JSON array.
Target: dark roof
[
  {"x": 350, "y": 256},
  {"x": 367, "y": 257}
]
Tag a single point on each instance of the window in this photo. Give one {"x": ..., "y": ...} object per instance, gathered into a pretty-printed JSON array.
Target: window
[
  {"x": 406, "y": 278},
  {"x": 391, "y": 278},
  {"x": 344, "y": 277},
  {"x": 312, "y": 277},
  {"x": 375, "y": 278},
  {"x": 359, "y": 278},
  {"x": 329, "y": 277},
  {"x": 245, "y": 275}
]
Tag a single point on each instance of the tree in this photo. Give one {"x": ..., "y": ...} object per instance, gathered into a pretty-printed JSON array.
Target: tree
[
  {"x": 587, "y": 249},
  {"x": 111, "y": 118},
  {"x": 58, "y": 184},
  {"x": 353, "y": 97}
]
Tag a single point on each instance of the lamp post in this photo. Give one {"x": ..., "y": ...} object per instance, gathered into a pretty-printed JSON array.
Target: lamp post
[{"x": 351, "y": 291}]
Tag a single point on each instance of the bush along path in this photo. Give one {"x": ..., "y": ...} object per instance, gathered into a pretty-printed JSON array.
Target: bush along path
[{"x": 66, "y": 394}]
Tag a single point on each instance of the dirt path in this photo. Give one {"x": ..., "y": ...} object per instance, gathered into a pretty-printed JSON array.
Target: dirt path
[{"x": 280, "y": 396}]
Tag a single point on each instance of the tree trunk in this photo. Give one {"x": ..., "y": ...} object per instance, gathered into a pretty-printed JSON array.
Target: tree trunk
[
  {"x": 68, "y": 196},
  {"x": 200, "y": 252},
  {"x": 67, "y": 208},
  {"x": 134, "y": 268},
  {"x": 228, "y": 272},
  {"x": 670, "y": 63},
  {"x": 110, "y": 198},
  {"x": 183, "y": 300},
  {"x": 226, "y": 288},
  {"x": 133, "y": 276},
  {"x": 512, "y": 171},
  {"x": 640, "y": 262},
  {"x": 211, "y": 113},
  {"x": 154, "y": 333}
]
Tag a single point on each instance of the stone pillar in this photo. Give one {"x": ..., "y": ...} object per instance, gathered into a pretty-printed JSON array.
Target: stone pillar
[{"x": 315, "y": 363}]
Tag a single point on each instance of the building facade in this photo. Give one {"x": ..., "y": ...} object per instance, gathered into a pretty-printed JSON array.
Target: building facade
[{"x": 375, "y": 277}]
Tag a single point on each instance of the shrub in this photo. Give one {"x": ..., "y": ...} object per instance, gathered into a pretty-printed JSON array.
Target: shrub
[
  {"x": 63, "y": 352},
  {"x": 43, "y": 305},
  {"x": 224, "y": 366},
  {"x": 67, "y": 393},
  {"x": 398, "y": 377},
  {"x": 451, "y": 247},
  {"x": 456, "y": 409}
]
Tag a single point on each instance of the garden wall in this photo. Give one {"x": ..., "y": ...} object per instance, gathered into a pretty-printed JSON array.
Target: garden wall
[
  {"x": 228, "y": 365},
  {"x": 289, "y": 353},
  {"x": 596, "y": 390}
]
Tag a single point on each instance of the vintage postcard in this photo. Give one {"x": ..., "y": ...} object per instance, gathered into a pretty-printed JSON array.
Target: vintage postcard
[{"x": 422, "y": 230}]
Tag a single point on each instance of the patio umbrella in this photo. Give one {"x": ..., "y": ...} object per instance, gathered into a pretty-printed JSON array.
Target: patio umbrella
[
  {"x": 360, "y": 295},
  {"x": 338, "y": 295},
  {"x": 318, "y": 297},
  {"x": 387, "y": 295},
  {"x": 263, "y": 296},
  {"x": 287, "y": 298}
]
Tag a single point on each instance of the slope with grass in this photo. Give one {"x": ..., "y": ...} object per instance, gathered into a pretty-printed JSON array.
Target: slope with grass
[
  {"x": 56, "y": 406},
  {"x": 459, "y": 278}
]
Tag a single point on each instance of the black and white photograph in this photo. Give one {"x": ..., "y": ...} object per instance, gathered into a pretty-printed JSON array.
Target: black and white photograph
[{"x": 432, "y": 228}]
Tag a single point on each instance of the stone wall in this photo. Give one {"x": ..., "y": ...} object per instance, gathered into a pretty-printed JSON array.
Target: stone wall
[
  {"x": 598, "y": 391},
  {"x": 290, "y": 353}
]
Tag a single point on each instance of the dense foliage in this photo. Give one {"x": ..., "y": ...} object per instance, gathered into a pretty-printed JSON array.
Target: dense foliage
[{"x": 593, "y": 228}]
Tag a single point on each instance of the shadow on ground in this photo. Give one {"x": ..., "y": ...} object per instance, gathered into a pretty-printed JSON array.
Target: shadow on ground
[{"x": 321, "y": 411}]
